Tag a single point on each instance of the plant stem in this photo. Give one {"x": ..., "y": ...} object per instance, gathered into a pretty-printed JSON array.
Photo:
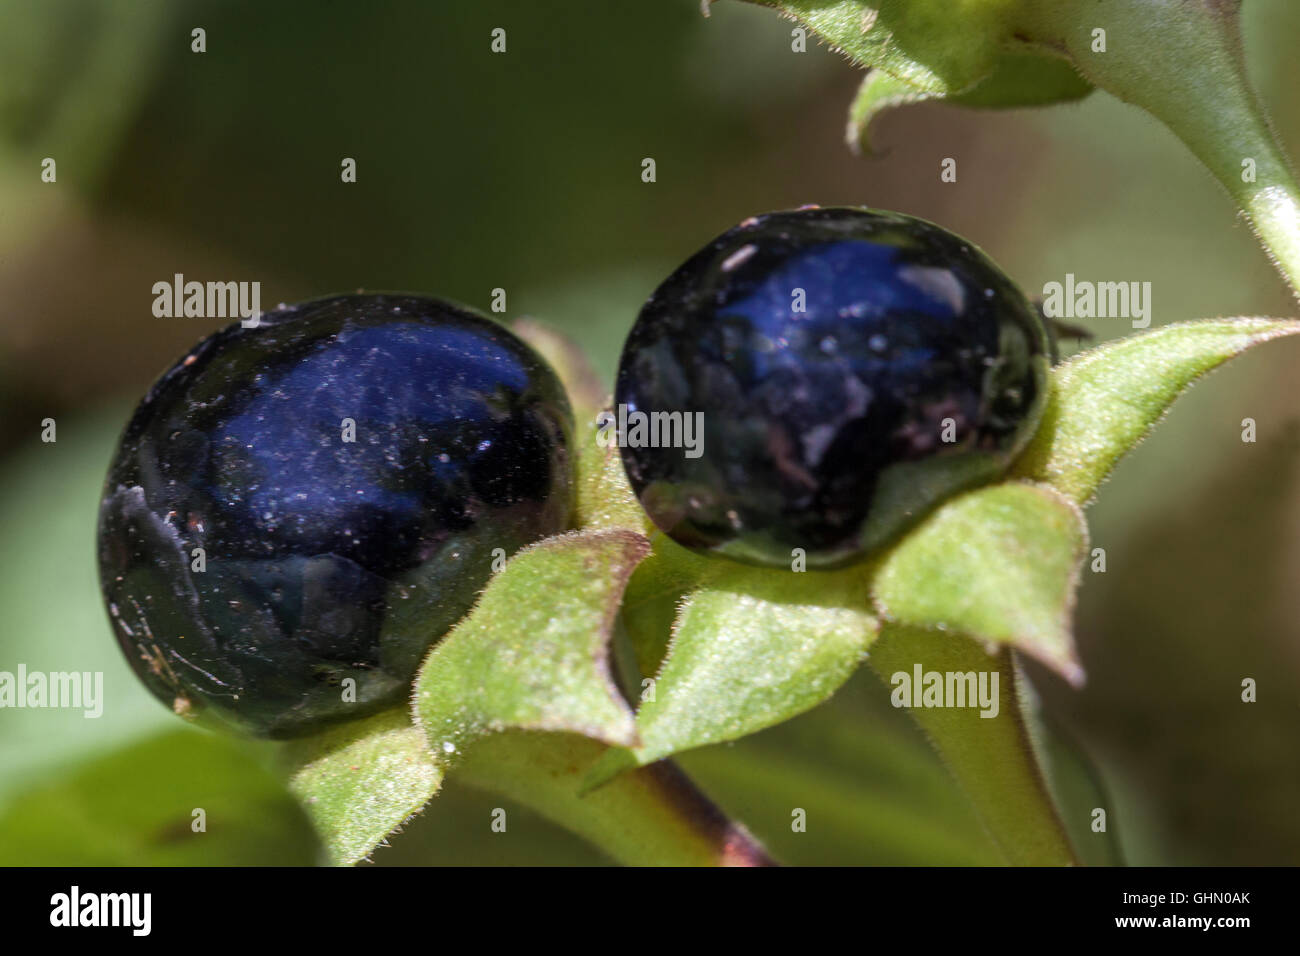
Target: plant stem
[
  {"x": 1181, "y": 61},
  {"x": 992, "y": 758},
  {"x": 651, "y": 816}
]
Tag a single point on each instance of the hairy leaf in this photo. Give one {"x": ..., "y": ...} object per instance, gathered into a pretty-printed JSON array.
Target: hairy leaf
[
  {"x": 940, "y": 46},
  {"x": 1017, "y": 79},
  {"x": 533, "y": 654},
  {"x": 880, "y": 91},
  {"x": 1181, "y": 61},
  {"x": 362, "y": 781},
  {"x": 999, "y": 564},
  {"x": 656, "y": 590},
  {"x": 1103, "y": 401},
  {"x": 750, "y": 649}
]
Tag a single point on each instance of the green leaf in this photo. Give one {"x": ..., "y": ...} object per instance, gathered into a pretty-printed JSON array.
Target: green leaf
[
  {"x": 939, "y": 46},
  {"x": 1025, "y": 79},
  {"x": 991, "y": 757},
  {"x": 999, "y": 564},
  {"x": 1017, "y": 79},
  {"x": 137, "y": 807},
  {"x": 880, "y": 91},
  {"x": 533, "y": 654},
  {"x": 657, "y": 589},
  {"x": 751, "y": 648},
  {"x": 362, "y": 781},
  {"x": 1103, "y": 401},
  {"x": 1184, "y": 65}
]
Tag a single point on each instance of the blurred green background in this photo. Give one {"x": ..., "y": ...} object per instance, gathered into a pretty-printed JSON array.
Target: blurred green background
[{"x": 522, "y": 171}]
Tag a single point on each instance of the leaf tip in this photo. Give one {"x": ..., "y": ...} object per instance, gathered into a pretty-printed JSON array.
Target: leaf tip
[{"x": 1064, "y": 662}]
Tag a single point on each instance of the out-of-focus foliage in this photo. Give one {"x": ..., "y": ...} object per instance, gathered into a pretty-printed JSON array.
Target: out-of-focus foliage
[
  {"x": 479, "y": 171},
  {"x": 182, "y": 798}
]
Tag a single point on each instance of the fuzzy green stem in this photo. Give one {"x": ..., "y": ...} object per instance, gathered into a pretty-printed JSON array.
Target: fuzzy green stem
[
  {"x": 1181, "y": 61},
  {"x": 651, "y": 816},
  {"x": 992, "y": 758}
]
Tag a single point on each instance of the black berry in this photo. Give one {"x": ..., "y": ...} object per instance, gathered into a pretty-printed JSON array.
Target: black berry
[
  {"x": 348, "y": 469},
  {"x": 852, "y": 368}
]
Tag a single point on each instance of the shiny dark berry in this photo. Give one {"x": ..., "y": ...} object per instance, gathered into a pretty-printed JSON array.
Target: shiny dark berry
[
  {"x": 320, "y": 498},
  {"x": 852, "y": 368}
]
